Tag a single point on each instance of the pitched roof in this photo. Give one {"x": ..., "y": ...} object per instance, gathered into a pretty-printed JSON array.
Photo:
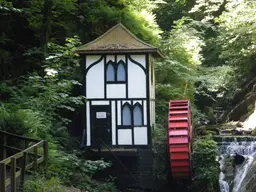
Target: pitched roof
[{"x": 117, "y": 40}]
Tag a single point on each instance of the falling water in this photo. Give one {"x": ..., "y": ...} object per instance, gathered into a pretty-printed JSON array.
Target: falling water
[
  {"x": 241, "y": 171},
  {"x": 224, "y": 187},
  {"x": 245, "y": 146}
]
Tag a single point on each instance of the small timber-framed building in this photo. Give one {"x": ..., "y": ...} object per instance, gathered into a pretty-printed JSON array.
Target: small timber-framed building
[{"x": 119, "y": 85}]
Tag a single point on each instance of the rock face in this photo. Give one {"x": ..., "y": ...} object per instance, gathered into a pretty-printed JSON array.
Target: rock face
[
  {"x": 238, "y": 159},
  {"x": 249, "y": 182},
  {"x": 229, "y": 170}
]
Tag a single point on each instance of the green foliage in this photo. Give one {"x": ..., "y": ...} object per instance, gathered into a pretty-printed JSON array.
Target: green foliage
[
  {"x": 40, "y": 107},
  {"x": 62, "y": 11},
  {"x": 238, "y": 35},
  {"x": 73, "y": 169},
  {"x": 208, "y": 10},
  {"x": 139, "y": 17},
  {"x": 172, "y": 10},
  {"x": 213, "y": 86},
  {"x": 24, "y": 122},
  {"x": 206, "y": 167},
  {"x": 176, "y": 74},
  {"x": 229, "y": 54},
  {"x": 40, "y": 184}
]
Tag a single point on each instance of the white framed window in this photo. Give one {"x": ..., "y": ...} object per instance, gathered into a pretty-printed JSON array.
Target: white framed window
[
  {"x": 110, "y": 72},
  {"x": 116, "y": 73},
  {"x": 137, "y": 115},
  {"x": 126, "y": 115},
  {"x": 132, "y": 115},
  {"x": 121, "y": 75}
]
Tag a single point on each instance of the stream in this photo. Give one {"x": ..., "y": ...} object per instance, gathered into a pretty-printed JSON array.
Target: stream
[{"x": 232, "y": 177}]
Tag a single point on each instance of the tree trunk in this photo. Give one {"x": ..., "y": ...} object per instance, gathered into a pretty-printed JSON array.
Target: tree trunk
[{"x": 46, "y": 25}]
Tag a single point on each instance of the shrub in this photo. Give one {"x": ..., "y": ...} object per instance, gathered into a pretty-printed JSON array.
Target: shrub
[
  {"x": 206, "y": 168},
  {"x": 39, "y": 184}
]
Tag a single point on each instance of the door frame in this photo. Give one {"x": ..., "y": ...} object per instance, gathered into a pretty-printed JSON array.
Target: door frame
[{"x": 93, "y": 110}]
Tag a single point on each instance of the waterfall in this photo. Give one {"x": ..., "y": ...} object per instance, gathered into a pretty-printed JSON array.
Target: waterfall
[
  {"x": 224, "y": 187},
  {"x": 241, "y": 171},
  {"x": 245, "y": 146}
]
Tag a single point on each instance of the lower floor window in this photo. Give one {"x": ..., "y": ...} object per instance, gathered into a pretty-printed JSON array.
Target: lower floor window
[{"x": 132, "y": 115}]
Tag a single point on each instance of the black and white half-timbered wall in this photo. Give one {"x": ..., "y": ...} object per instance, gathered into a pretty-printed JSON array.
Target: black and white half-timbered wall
[{"x": 119, "y": 86}]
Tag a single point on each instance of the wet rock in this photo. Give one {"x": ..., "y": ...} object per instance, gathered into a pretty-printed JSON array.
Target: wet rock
[
  {"x": 238, "y": 159},
  {"x": 240, "y": 124},
  {"x": 229, "y": 170},
  {"x": 207, "y": 129},
  {"x": 249, "y": 182},
  {"x": 248, "y": 132},
  {"x": 238, "y": 131},
  {"x": 226, "y": 131}
]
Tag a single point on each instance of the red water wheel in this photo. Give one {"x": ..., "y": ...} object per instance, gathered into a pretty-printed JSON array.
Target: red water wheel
[{"x": 180, "y": 138}]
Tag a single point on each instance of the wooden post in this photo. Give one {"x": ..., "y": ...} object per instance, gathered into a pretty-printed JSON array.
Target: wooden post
[
  {"x": 45, "y": 155},
  {"x": 4, "y": 149},
  {"x": 2, "y": 177},
  {"x": 13, "y": 174},
  {"x": 35, "y": 159},
  {"x": 23, "y": 170},
  {"x": 26, "y": 144}
]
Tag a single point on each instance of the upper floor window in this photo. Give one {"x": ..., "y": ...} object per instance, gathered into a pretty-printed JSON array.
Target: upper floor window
[
  {"x": 110, "y": 72},
  {"x": 116, "y": 73},
  {"x": 121, "y": 76}
]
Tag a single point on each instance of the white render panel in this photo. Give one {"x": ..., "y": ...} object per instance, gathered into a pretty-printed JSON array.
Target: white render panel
[
  {"x": 100, "y": 102},
  {"x": 140, "y": 59},
  {"x": 95, "y": 81},
  {"x": 140, "y": 136},
  {"x": 136, "y": 81},
  {"x": 137, "y": 101},
  {"x": 119, "y": 112},
  {"x": 126, "y": 101},
  {"x": 113, "y": 116},
  {"x": 88, "y": 125},
  {"x": 116, "y": 91},
  {"x": 120, "y": 57},
  {"x": 90, "y": 59},
  {"x": 145, "y": 112},
  {"x": 124, "y": 137},
  {"x": 110, "y": 57}
]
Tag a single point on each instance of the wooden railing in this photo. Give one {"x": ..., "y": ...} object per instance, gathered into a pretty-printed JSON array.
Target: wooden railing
[{"x": 16, "y": 160}]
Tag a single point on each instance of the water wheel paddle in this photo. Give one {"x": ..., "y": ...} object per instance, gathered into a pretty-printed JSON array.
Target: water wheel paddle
[{"x": 180, "y": 139}]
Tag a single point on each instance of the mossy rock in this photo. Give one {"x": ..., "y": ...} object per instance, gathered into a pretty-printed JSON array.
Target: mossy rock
[
  {"x": 226, "y": 126},
  {"x": 207, "y": 130},
  {"x": 253, "y": 132},
  {"x": 229, "y": 170}
]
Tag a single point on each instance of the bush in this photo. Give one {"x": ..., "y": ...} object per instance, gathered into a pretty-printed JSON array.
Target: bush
[
  {"x": 42, "y": 106},
  {"x": 23, "y": 122},
  {"x": 206, "y": 168},
  {"x": 39, "y": 184}
]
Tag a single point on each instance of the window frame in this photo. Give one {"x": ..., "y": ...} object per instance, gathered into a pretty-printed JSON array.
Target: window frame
[
  {"x": 141, "y": 111},
  {"x": 116, "y": 66},
  {"x": 110, "y": 63},
  {"x": 122, "y": 115},
  {"x": 131, "y": 108}
]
